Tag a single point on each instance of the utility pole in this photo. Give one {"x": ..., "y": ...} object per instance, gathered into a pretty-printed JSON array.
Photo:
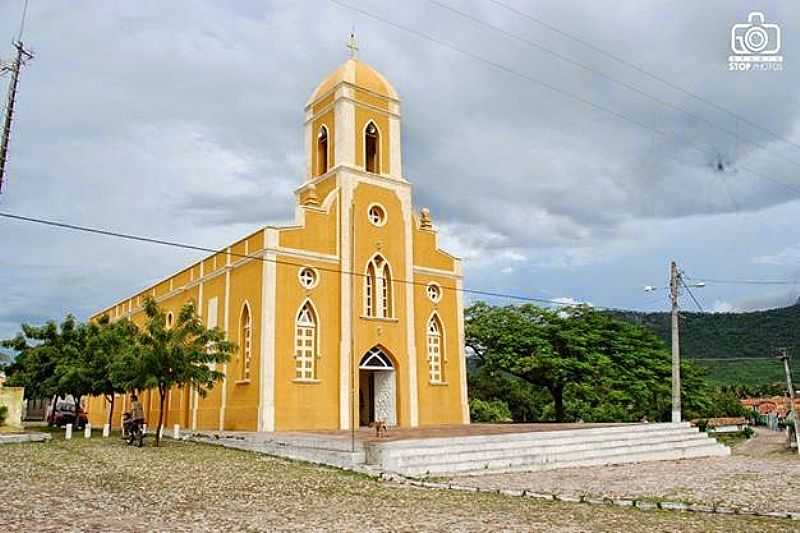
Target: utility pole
[
  {"x": 783, "y": 355},
  {"x": 15, "y": 67},
  {"x": 674, "y": 282}
]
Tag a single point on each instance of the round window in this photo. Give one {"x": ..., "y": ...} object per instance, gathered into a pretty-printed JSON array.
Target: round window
[
  {"x": 308, "y": 277},
  {"x": 376, "y": 214},
  {"x": 434, "y": 292}
]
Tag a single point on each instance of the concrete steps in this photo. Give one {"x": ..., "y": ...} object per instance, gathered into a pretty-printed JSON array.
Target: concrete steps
[
  {"x": 543, "y": 450},
  {"x": 310, "y": 448}
]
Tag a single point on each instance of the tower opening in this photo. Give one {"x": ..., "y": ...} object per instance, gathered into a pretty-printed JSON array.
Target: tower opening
[
  {"x": 371, "y": 148},
  {"x": 322, "y": 151}
]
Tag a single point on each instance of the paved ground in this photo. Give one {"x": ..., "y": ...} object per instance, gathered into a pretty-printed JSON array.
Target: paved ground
[
  {"x": 760, "y": 475},
  {"x": 366, "y": 434},
  {"x": 766, "y": 444},
  {"x": 103, "y": 484}
]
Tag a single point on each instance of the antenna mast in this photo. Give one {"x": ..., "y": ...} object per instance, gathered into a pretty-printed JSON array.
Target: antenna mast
[{"x": 15, "y": 67}]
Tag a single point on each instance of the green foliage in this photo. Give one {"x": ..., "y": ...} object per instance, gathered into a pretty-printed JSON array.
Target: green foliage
[
  {"x": 494, "y": 411},
  {"x": 50, "y": 359},
  {"x": 3, "y": 414},
  {"x": 109, "y": 348},
  {"x": 579, "y": 364},
  {"x": 104, "y": 358},
  {"x": 182, "y": 355},
  {"x": 525, "y": 401},
  {"x": 750, "y": 377},
  {"x": 731, "y": 335}
]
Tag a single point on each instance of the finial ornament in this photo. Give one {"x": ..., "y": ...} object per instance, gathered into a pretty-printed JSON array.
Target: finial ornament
[
  {"x": 425, "y": 221},
  {"x": 311, "y": 199},
  {"x": 352, "y": 45}
]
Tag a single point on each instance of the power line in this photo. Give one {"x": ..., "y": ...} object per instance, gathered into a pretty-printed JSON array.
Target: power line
[
  {"x": 744, "y": 281},
  {"x": 503, "y": 68},
  {"x": 22, "y": 21},
  {"x": 685, "y": 286},
  {"x": 175, "y": 244},
  {"x": 600, "y": 73},
  {"x": 641, "y": 70}
]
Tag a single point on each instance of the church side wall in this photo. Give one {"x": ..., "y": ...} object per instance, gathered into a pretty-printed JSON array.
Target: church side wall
[
  {"x": 242, "y": 394},
  {"x": 307, "y": 404},
  {"x": 208, "y": 407},
  {"x": 439, "y": 403},
  {"x": 206, "y": 278}
]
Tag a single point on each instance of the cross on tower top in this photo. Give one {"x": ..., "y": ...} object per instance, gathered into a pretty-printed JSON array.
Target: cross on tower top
[{"x": 352, "y": 45}]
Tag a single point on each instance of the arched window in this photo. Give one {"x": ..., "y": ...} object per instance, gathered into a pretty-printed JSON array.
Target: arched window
[
  {"x": 372, "y": 148},
  {"x": 378, "y": 294},
  {"x": 246, "y": 341},
  {"x": 322, "y": 151},
  {"x": 170, "y": 320},
  {"x": 435, "y": 354},
  {"x": 305, "y": 343},
  {"x": 369, "y": 290}
]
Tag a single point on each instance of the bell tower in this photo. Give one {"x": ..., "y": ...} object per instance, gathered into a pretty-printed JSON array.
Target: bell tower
[{"x": 353, "y": 120}]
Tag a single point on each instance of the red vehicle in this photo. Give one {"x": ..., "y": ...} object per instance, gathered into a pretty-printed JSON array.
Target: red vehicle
[{"x": 63, "y": 412}]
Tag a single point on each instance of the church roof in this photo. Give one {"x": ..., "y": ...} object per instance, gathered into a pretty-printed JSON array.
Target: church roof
[{"x": 359, "y": 74}]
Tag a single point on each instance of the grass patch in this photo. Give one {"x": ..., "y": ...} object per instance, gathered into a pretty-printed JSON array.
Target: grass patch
[{"x": 730, "y": 439}]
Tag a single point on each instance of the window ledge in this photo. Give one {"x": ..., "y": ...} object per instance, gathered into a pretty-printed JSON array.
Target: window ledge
[
  {"x": 306, "y": 381},
  {"x": 380, "y": 319},
  {"x": 241, "y": 382},
  {"x": 438, "y": 383}
]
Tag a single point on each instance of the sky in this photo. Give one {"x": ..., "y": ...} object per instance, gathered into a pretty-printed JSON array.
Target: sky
[{"x": 567, "y": 168}]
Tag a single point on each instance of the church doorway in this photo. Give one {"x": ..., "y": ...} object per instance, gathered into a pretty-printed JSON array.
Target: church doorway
[{"x": 377, "y": 388}]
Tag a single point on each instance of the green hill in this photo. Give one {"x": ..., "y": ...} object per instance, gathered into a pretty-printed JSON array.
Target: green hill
[{"x": 717, "y": 341}]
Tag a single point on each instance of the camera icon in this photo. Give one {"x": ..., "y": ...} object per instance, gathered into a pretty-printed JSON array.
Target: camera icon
[{"x": 755, "y": 37}]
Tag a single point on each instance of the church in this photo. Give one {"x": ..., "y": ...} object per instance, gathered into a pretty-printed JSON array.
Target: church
[{"x": 351, "y": 314}]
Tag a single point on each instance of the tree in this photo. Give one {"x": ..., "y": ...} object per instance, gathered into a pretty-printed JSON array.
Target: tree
[
  {"x": 34, "y": 365},
  {"x": 107, "y": 358},
  {"x": 50, "y": 360},
  {"x": 594, "y": 366},
  {"x": 182, "y": 355},
  {"x": 536, "y": 345}
]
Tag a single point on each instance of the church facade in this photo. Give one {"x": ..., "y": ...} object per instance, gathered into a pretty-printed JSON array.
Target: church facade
[{"x": 350, "y": 315}]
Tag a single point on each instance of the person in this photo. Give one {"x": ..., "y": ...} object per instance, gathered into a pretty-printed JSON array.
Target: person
[{"x": 136, "y": 413}]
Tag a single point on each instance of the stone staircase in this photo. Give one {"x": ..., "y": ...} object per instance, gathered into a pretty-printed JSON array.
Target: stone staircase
[
  {"x": 544, "y": 450},
  {"x": 325, "y": 450}
]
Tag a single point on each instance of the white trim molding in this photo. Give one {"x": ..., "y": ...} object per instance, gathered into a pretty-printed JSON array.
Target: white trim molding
[
  {"x": 269, "y": 276},
  {"x": 462, "y": 355}
]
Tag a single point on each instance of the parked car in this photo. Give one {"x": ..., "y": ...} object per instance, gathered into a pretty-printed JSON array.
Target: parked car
[{"x": 64, "y": 412}]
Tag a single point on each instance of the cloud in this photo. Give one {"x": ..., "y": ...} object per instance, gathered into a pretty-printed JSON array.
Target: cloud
[
  {"x": 787, "y": 256},
  {"x": 724, "y": 307},
  {"x": 184, "y": 121},
  {"x": 568, "y": 300}
]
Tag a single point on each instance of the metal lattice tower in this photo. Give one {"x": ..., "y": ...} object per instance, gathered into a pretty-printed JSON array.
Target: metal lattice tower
[{"x": 21, "y": 57}]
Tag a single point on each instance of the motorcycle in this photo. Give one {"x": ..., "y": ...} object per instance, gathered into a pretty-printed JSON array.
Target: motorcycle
[{"x": 132, "y": 431}]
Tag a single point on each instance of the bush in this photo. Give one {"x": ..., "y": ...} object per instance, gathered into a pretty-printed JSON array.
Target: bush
[
  {"x": 748, "y": 432},
  {"x": 3, "y": 414},
  {"x": 489, "y": 411}
]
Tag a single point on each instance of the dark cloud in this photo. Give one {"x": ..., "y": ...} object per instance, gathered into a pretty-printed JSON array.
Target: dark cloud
[{"x": 183, "y": 120}]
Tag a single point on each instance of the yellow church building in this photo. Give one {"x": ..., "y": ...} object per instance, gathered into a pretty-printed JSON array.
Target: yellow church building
[{"x": 350, "y": 315}]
